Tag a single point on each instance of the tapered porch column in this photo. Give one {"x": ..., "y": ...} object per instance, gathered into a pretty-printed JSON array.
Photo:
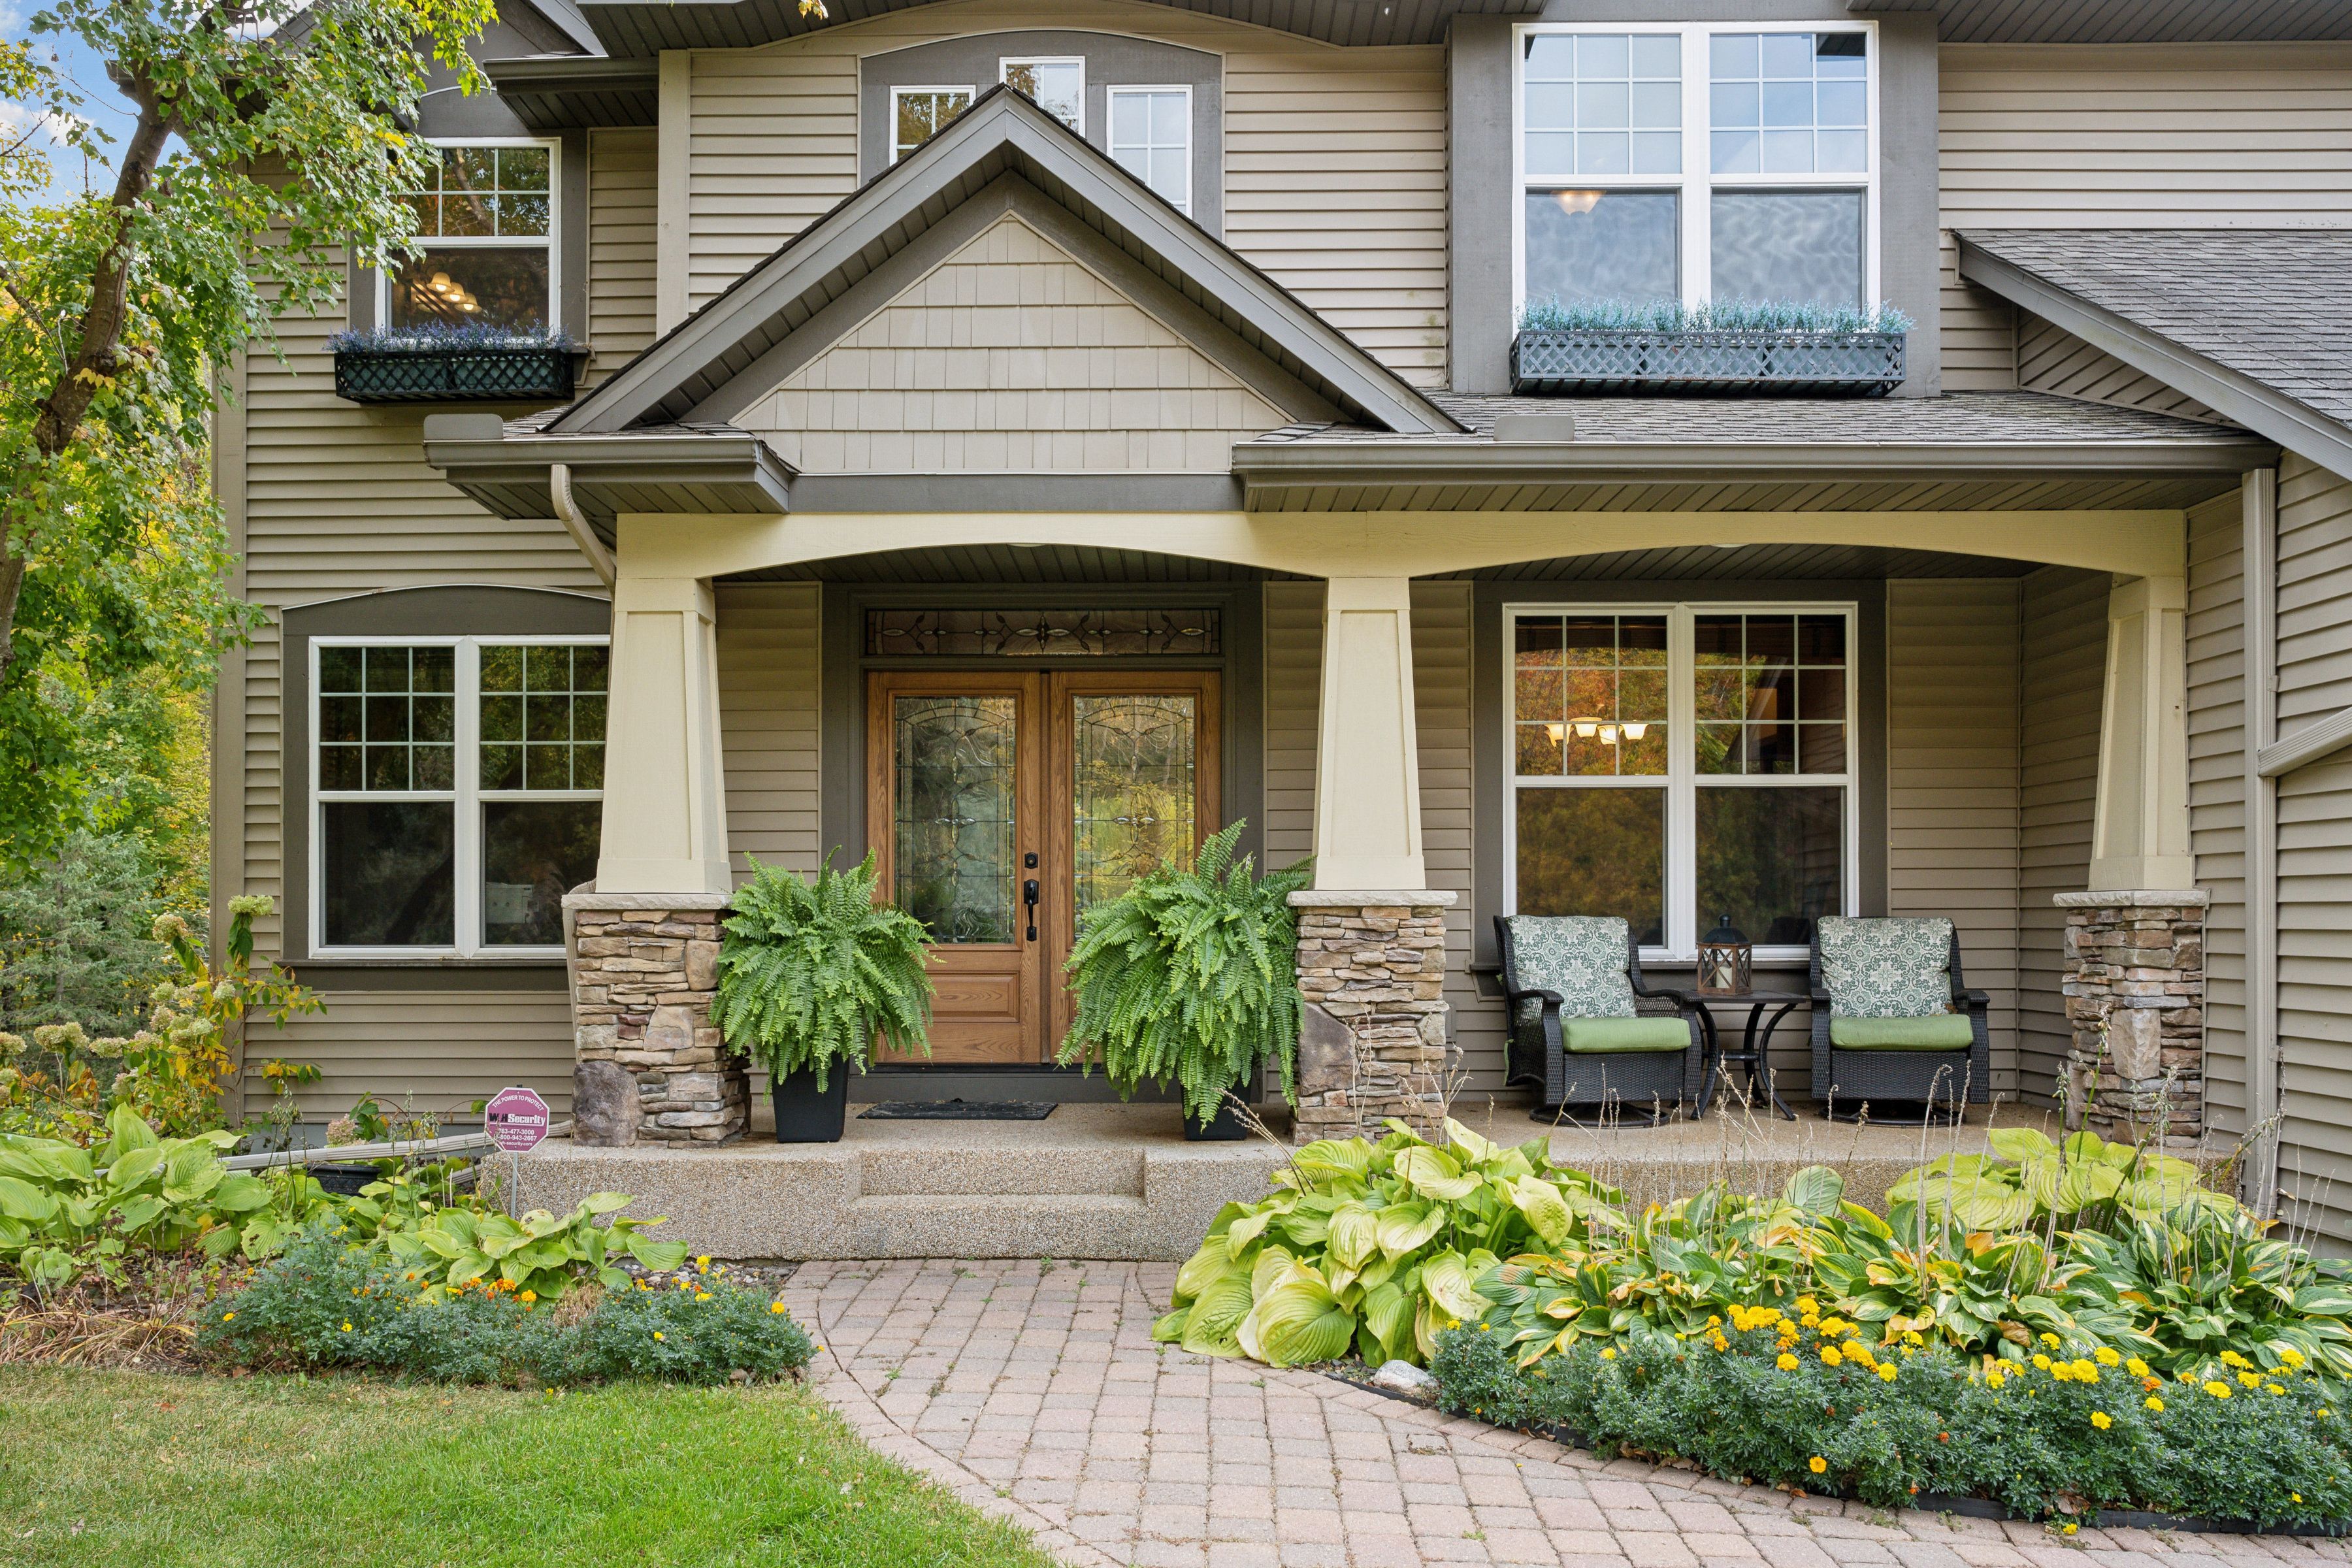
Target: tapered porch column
[
  {"x": 2136, "y": 939},
  {"x": 665, "y": 795},
  {"x": 1371, "y": 932}
]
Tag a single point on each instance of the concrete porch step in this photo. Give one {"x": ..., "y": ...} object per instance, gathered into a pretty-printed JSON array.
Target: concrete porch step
[{"x": 986, "y": 1170}]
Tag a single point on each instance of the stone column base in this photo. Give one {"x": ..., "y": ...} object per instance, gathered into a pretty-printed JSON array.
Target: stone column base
[
  {"x": 645, "y": 967},
  {"x": 1372, "y": 1044},
  {"x": 2136, "y": 1002}
]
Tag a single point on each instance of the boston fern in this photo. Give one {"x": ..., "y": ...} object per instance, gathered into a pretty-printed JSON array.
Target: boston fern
[
  {"x": 1191, "y": 977},
  {"x": 809, "y": 973}
]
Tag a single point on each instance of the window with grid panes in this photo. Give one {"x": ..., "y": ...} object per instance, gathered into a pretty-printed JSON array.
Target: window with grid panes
[
  {"x": 459, "y": 791},
  {"x": 486, "y": 222},
  {"x": 1676, "y": 763}
]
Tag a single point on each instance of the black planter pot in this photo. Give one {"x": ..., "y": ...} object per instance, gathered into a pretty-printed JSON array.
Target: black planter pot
[
  {"x": 804, "y": 1114},
  {"x": 1226, "y": 1125},
  {"x": 345, "y": 1181}
]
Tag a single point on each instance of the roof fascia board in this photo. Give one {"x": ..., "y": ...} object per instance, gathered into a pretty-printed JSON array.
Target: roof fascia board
[
  {"x": 1004, "y": 122},
  {"x": 2229, "y": 393},
  {"x": 725, "y": 457},
  {"x": 2324, "y": 737},
  {"x": 1277, "y": 463}
]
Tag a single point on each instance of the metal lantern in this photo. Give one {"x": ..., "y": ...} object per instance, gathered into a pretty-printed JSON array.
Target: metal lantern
[{"x": 1726, "y": 961}]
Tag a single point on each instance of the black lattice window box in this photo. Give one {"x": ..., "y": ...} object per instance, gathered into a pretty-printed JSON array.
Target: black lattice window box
[
  {"x": 522, "y": 372},
  {"x": 1553, "y": 362}
]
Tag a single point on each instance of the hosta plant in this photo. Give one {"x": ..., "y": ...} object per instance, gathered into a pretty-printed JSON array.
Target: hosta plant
[
  {"x": 454, "y": 1248},
  {"x": 1190, "y": 978},
  {"x": 2024, "y": 1178},
  {"x": 1373, "y": 1249},
  {"x": 812, "y": 974}
]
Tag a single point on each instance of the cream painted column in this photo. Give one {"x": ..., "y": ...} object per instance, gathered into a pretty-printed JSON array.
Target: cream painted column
[
  {"x": 1367, "y": 756},
  {"x": 2139, "y": 835},
  {"x": 665, "y": 795}
]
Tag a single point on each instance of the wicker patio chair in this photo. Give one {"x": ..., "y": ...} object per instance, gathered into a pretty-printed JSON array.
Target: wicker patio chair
[
  {"x": 1584, "y": 1028},
  {"x": 1893, "y": 1020}
]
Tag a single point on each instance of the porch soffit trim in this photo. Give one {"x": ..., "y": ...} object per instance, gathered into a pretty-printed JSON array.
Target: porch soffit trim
[
  {"x": 2231, "y": 393},
  {"x": 708, "y": 470},
  {"x": 1002, "y": 133},
  {"x": 2321, "y": 739}
]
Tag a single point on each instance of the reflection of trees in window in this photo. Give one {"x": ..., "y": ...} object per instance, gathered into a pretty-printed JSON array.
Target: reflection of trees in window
[
  {"x": 1772, "y": 858},
  {"x": 1594, "y": 852}
]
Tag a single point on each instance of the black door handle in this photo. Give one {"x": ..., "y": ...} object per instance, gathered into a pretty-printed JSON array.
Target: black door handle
[{"x": 1029, "y": 897}]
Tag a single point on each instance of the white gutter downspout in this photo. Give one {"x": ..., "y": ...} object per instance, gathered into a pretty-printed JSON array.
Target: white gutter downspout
[
  {"x": 2263, "y": 1046},
  {"x": 559, "y": 486}
]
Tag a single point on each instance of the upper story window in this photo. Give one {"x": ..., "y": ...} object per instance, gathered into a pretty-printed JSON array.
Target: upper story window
[
  {"x": 1056, "y": 86},
  {"x": 1151, "y": 138},
  {"x": 1698, "y": 164},
  {"x": 487, "y": 225},
  {"x": 458, "y": 786},
  {"x": 917, "y": 114}
]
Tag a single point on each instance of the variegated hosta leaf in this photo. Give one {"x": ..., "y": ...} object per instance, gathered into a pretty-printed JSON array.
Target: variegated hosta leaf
[
  {"x": 1404, "y": 1227},
  {"x": 1346, "y": 1157},
  {"x": 1448, "y": 1280},
  {"x": 1353, "y": 1235},
  {"x": 1214, "y": 1326},
  {"x": 1297, "y": 1323},
  {"x": 1467, "y": 1146},
  {"x": 1202, "y": 1269},
  {"x": 1388, "y": 1312},
  {"x": 1248, "y": 1228},
  {"x": 1269, "y": 1267},
  {"x": 1169, "y": 1327},
  {"x": 2020, "y": 1145},
  {"x": 1814, "y": 1192},
  {"x": 1434, "y": 1174},
  {"x": 1547, "y": 1212}
]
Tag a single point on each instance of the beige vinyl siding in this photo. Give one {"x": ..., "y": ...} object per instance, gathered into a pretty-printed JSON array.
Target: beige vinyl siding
[
  {"x": 1010, "y": 356},
  {"x": 622, "y": 242},
  {"x": 1952, "y": 739},
  {"x": 1294, "y": 700},
  {"x": 2314, "y": 849},
  {"x": 437, "y": 1050},
  {"x": 2144, "y": 136},
  {"x": 2064, "y": 625},
  {"x": 2217, "y": 792},
  {"x": 2051, "y": 359},
  {"x": 770, "y": 698},
  {"x": 1441, "y": 688},
  {"x": 337, "y": 500},
  {"x": 1335, "y": 179}
]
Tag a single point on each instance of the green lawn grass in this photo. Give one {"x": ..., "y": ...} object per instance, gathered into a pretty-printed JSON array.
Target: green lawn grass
[{"x": 101, "y": 1469}]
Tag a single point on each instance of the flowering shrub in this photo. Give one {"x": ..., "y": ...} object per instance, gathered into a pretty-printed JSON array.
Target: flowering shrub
[
  {"x": 1810, "y": 1400},
  {"x": 326, "y": 1304}
]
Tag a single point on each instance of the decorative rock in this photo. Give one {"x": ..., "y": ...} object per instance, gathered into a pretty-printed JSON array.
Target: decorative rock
[
  {"x": 605, "y": 1111},
  {"x": 1326, "y": 1055},
  {"x": 2135, "y": 1001},
  {"x": 1373, "y": 972},
  {"x": 1403, "y": 1377}
]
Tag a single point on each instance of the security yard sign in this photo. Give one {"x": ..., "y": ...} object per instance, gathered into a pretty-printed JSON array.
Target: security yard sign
[{"x": 516, "y": 1119}]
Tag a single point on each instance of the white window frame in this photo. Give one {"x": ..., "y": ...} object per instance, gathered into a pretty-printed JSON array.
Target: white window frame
[
  {"x": 553, "y": 238},
  {"x": 890, "y": 128},
  {"x": 1698, "y": 183},
  {"x": 1681, "y": 780},
  {"x": 465, "y": 798},
  {"x": 1007, "y": 62},
  {"x": 1135, "y": 90}
]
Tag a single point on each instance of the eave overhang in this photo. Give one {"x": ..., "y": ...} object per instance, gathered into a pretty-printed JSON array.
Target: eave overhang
[
  {"x": 566, "y": 92},
  {"x": 2123, "y": 21},
  {"x": 510, "y": 471}
]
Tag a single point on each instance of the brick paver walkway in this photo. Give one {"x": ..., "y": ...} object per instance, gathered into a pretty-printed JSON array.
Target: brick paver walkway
[{"x": 1035, "y": 1393}]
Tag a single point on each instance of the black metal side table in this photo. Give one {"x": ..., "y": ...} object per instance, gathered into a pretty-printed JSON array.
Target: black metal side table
[{"x": 1755, "y": 1040}]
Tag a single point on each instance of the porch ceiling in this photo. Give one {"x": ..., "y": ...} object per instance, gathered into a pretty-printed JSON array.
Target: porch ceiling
[
  {"x": 1754, "y": 563},
  {"x": 958, "y": 565}
]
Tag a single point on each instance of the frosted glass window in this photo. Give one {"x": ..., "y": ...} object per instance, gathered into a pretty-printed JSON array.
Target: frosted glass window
[
  {"x": 1788, "y": 246},
  {"x": 1788, "y": 103},
  {"x": 1602, "y": 103},
  {"x": 1151, "y": 138},
  {"x": 1604, "y": 245}
]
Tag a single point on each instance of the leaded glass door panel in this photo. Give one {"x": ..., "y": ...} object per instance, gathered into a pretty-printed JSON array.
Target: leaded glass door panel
[{"x": 954, "y": 779}]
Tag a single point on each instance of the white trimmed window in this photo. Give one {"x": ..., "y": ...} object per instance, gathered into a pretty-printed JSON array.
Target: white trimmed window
[
  {"x": 456, "y": 789},
  {"x": 1057, "y": 86},
  {"x": 1672, "y": 764},
  {"x": 918, "y": 113},
  {"x": 1151, "y": 138},
  {"x": 1697, "y": 163},
  {"x": 486, "y": 222}
]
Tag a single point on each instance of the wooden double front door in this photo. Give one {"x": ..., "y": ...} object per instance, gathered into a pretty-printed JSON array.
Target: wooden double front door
[{"x": 1004, "y": 806}]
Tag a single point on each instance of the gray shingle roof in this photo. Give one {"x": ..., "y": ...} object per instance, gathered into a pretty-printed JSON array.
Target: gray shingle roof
[
  {"x": 1969, "y": 419},
  {"x": 2274, "y": 305}
]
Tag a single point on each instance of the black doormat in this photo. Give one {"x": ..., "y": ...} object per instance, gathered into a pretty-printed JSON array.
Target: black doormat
[{"x": 958, "y": 1111}]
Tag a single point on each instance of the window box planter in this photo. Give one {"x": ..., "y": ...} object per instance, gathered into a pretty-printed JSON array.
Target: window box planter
[
  {"x": 519, "y": 373},
  {"x": 1553, "y": 360}
]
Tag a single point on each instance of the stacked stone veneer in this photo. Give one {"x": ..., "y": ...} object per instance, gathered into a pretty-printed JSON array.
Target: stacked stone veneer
[
  {"x": 1371, "y": 967},
  {"x": 2135, "y": 1003},
  {"x": 645, "y": 968}
]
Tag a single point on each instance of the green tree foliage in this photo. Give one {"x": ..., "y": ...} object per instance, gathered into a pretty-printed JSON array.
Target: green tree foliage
[
  {"x": 268, "y": 138},
  {"x": 1191, "y": 977},
  {"x": 77, "y": 943}
]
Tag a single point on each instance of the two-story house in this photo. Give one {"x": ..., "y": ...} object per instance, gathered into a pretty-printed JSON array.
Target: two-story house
[{"x": 1017, "y": 435}]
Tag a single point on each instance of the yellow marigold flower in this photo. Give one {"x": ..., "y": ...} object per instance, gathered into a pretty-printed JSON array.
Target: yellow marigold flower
[
  {"x": 1609, "y": 1355},
  {"x": 1995, "y": 1378},
  {"x": 2102, "y": 1420},
  {"x": 1807, "y": 1304},
  {"x": 1787, "y": 1362},
  {"x": 1809, "y": 1319},
  {"x": 2050, "y": 1338},
  {"x": 775, "y": 1306},
  {"x": 527, "y": 1296},
  {"x": 229, "y": 1316},
  {"x": 2106, "y": 1357},
  {"x": 1886, "y": 1372},
  {"x": 2231, "y": 1358},
  {"x": 2289, "y": 1355},
  {"x": 2060, "y": 1371},
  {"x": 1830, "y": 1356},
  {"x": 2153, "y": 1402},
  {"x": 658, "y": 1334},
  {"x": 2325, "y": 1412},
  {"x": 2069, "y": 1528},
  {"x": 1714, "y": 1321},
  {"x": 2042, "y": 1361},
  {"x": 347, "y": 1327},
  {"x": 703, "y": 1261},
  {"x": 2084, "y": 1372},
  {"x": 1720, "y": 1343},
  {"x": 1835, "y": 1326},
  {"x": 2136, "y": 1367},
  {"x": 1817, "y": 1464},
  {"x": 705, "y": 1296},
  {"x": 2272, "y": 1388},
  {"x": 2217, "y": 1390},
  {"x": 2250, "y": 1379}
]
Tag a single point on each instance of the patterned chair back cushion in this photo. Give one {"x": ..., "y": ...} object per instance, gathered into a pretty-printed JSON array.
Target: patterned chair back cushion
[
  {"x": 1886, "y": 968},
  {"x": 1582, "y": 957}
]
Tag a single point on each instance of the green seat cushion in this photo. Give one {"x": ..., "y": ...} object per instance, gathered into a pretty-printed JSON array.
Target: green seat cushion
[
  {"x": 1937, "y": 1032},
  {"x": 1588, "y": 1036}
]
